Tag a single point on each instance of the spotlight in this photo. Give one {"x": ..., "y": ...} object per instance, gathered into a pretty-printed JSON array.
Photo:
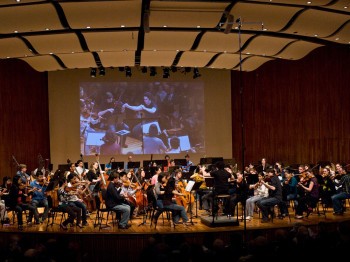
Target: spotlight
[
  {"x": 93, "y": 72},
  {"x": 102, "y": 71},
  {"x": 196, "y": 73},
  {"x": 166, "y": 72},
  {"x": 174, "y": 69},
  {"x": 144, "y": 70},
  {"x": 153, "y": 71},
  {"x": 128, "y": 71}
]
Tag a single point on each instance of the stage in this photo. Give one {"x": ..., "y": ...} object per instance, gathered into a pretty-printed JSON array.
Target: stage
[{"x": 94, "y": 244}]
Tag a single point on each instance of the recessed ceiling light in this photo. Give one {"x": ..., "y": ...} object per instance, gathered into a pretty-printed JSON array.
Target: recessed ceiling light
[
  {"x": 18, "y": 1},
  {"x": 225, "y": 51},
  {"x": 316, "y": 35},
  {"x": 337, "y": 39},
  {"x": 164, "y": 26},
  {"x": 122, "y": 26},
  {"x": 73, "y": 52},
  {"x": 88, "y": 27},
  {"x": 101, "y": 50},
  {"x": 16, "y": 31},
  {"x": 236, "y": 27},
  {"x": 204, "y": 50},
  {"x": 309, "y": 2},
  {"x": 198, "y": 26}
]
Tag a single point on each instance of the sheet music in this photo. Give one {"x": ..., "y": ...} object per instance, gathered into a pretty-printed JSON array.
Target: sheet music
[{"x": 189, "y": 186}]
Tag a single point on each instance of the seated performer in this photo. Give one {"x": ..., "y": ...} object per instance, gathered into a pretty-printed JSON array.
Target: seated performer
[{"x": 116, "y": 201}]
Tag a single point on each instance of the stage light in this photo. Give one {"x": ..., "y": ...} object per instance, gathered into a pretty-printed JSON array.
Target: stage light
[
  {"x": 93, "y": 72},
  {"x": 102, "y": 71},
  {"x": 153, "y": 71},
  {"x": 187, "y": 69},
  {"x": 166, "y": 72},
  {"x": 174, "y": 69},
  {"x": 196, "y": 73},
  {"x": 144, "y": 70},
  {"x": 128, "y": 71}
]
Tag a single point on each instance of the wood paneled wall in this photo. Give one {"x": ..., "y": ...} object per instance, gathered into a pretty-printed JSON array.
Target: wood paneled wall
[
  {"x": 24, "y": 116},
  {"x": 294, "y": 111}
]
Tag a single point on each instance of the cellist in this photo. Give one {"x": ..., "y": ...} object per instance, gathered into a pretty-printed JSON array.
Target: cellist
[{"x": 187, "y": 197}]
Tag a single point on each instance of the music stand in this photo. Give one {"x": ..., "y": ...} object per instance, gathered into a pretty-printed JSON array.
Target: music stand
[
  {"x": 192, "y": 186},
  {"x": 115, "y": 165}
]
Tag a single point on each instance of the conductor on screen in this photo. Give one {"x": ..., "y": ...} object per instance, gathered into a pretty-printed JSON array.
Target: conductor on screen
[{"x": 147, "y": 111}]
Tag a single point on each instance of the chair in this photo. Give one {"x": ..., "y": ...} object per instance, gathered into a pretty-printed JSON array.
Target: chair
[
  {"x": 102, "y": 209},
  {"x": 54, "y": 210},
  {"x": 219, "y": 202}
]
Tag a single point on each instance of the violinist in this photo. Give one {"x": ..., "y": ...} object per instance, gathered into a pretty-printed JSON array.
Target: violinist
[
  {"x": 74, "y": 199},
  {"x": 289, "y": 187},
  {"x": 17, "y": 201},
  {"x": 239, "y": 194},
  {"x": 128, "y": 190},
  {"x": 308, "y": 200},
  {"x": 64, "y": 205},
  {"x": 22, "y": 173},
  {"x": 274, "y": 198},
  {"x": 116, "y": 200},
  {"x": 260, "y": 191},
  {"x": 39, "y": 198}
]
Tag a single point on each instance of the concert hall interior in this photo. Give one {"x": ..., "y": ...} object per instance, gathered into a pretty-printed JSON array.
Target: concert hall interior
[{"x": 290, "y": 111}]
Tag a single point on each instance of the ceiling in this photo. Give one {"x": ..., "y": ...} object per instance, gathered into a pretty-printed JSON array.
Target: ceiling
[{"x": 234, "y": 35}]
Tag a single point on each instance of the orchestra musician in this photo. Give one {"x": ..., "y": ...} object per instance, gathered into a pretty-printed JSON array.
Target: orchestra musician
[
  {"x": 128, "y": 190},
  {"x": 93, "y": 175},
  {"x": 274, "y": 198},
  {"x": 39, "y": 198},
  {"x": 260, "y": 191},
  {"x": 240, "y": 193},
  {"x": 80, "y": 170},
  {"x": 189, "y": 163},
  {"x": 187, "y": 198},
  {"x": 198, "y": 177},
  {"x": 4, "y": 191},
  {"x": 116, "y": 201},
  {"x": 18, "y": 201},
  {"x": 73, "y": 211},
  {"x": 343, "y": 194},
  {"x": 309, "y": 199},
  {"x": 74, "y": 198},
  {"x": 22, "y": 173}
]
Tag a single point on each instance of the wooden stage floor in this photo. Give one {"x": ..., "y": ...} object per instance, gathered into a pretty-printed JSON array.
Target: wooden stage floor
[
  {"x": 121, "y": 242},
  {"x": 142, "y": 224}
]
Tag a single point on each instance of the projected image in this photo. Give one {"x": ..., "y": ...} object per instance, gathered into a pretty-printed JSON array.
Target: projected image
[{"x": 141, "y": 118}]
